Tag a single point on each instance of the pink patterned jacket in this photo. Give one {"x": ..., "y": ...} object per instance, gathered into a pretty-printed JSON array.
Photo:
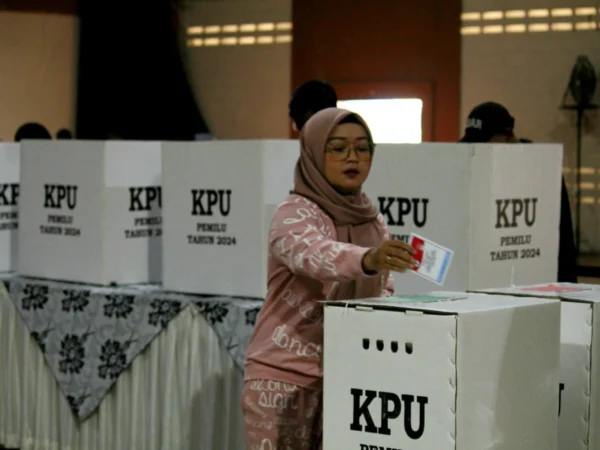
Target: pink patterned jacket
[{"x": 306, "y": 264}]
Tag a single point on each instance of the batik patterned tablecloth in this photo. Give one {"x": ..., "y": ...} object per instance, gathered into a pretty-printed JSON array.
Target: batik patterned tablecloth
[{"x": 89, "y": 335}]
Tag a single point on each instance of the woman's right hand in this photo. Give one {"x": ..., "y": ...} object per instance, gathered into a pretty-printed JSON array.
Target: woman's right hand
[{"x": 391, "y": 255}]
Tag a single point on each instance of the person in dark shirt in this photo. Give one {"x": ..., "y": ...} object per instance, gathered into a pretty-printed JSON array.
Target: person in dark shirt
[
  {"x": 308, "y": 99},
  {"x": 491, "y": 122}
]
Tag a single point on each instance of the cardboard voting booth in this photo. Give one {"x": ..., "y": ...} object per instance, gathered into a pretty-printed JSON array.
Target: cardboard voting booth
[
  {"x": 444, "y": 371},
  {"x": 91, "y": 211},
  {"x": 219, "y": 198},
  {"x": 497, "y": 207},
  {"x": 579, "y": 413},
  {"x": 9, "y": 201}
]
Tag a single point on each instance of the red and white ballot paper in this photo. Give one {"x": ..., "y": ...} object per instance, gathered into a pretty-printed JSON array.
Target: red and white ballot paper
[{"x": 434, "y": 260}]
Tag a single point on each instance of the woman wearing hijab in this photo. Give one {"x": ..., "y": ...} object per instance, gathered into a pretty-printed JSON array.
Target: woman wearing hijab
[{"x": 327, "y": 241}]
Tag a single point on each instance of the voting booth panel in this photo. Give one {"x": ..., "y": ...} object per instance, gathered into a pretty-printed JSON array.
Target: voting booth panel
[
  {"x": 445, "y": 371},
  {"x": 91, "y": 211},
  {"x": 497, "y": 207},
  {"x": 9, "y": 201},
  {"x": 579, "y": 412},
  {"x": 219, "y": 199}
]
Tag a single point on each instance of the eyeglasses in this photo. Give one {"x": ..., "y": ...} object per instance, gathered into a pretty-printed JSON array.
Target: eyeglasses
[{"x": 364, "y": 152}]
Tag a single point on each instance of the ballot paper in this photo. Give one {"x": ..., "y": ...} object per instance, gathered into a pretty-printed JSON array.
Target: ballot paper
[{"x": 433, "y": 259}]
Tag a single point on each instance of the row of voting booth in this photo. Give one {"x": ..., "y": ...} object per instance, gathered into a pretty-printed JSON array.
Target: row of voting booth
[
  {"x": 194, "y": 216},
  {"x": 473, "y": 366}
]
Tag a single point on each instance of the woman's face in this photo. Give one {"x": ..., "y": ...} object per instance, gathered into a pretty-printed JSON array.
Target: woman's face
[{"x": 348, "y": 155}]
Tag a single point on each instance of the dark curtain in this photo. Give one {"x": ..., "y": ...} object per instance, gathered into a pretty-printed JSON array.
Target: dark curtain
[{"x": 131, "y": 82}]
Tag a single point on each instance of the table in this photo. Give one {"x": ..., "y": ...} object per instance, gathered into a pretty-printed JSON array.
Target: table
[{"x": 181, "y": 391}]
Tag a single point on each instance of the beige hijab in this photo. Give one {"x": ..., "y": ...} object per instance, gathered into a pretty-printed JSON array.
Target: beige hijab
[{"x": 354, "y": 216}]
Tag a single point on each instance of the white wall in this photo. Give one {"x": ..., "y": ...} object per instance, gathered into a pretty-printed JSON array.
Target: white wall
[
  {"x": 528, "y": 73},
  {"x": 243, "y": 89},
  {"x": 38, "y": 54}
]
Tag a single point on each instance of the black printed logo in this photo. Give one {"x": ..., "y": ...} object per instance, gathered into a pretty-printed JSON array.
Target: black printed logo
[
  {"x": 509, "y": 211},
  {"x": 398, "y": 210},
  {"x": 145, "y": 198},
  {"x": 57, "y": 196},
  {"x": 205, "y": 202},
  {"x": 9, "y": 194},
  {"x": 391, "y": 406}
]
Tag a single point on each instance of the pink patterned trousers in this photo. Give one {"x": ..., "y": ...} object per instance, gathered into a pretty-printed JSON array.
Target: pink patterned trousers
[{"x": 281, "y": 416}]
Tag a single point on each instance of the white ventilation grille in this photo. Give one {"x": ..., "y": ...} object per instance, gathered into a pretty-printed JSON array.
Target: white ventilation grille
[
  {"x": 539, "y": 20},
  {"x": 243, "y": 34}
]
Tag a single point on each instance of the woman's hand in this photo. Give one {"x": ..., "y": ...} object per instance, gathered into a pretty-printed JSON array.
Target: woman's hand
[{"x": 391, "y": 255}]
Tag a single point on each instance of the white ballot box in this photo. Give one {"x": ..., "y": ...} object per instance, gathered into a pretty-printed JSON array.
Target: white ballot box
[
  {"x": 91, "y": 211},
  {"x": 219, "y": 199},
  {"x": 9, "y": 200},
  {"x": 443, "y": 371},
  {"x": 579, "y": 413},
  {"x": 496, "y": 206}
]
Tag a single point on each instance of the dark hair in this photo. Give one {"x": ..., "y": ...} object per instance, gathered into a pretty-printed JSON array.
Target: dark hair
[
  {"x": 486, "y": 120},
  {"x": 310, "y": 98},
  {"x": 32, "y": 130},
  {"x": 63, "y": 133},
  {"x": 353, "y": 118}
]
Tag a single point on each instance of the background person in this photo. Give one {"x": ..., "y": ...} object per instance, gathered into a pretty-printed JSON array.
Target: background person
[
  {"x": 308, "y": 99},
  {"x": 32, "y": 130},
  {"x": 491, "y": 122},
  {"x": 64, "y": 133},
  {"x": 326, "y": 241}
]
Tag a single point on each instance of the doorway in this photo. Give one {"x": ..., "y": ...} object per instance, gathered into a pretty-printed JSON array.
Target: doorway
[
  {"x": 391, "y": 120},
  {"x": 396, "y": 112}
]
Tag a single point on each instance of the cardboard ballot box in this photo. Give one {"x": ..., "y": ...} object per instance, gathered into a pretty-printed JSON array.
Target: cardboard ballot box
[
  {"x": 497, "y": 207},
  {"x": 219, "y": 198},
  {"x": 579, "y": 414},
  {"x": 91, "y": 211},
  {"x": 9, "y": 198},
  {"x": 444, "y": 371}
]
